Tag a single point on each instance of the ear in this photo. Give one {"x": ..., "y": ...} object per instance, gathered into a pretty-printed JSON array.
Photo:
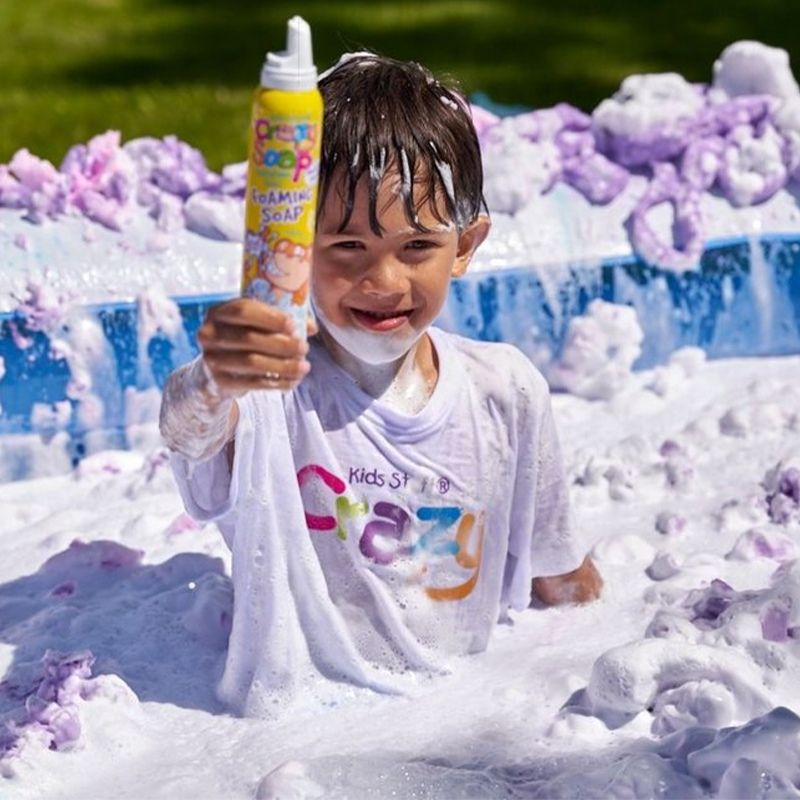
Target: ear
[{"x": 469, "y": 240}]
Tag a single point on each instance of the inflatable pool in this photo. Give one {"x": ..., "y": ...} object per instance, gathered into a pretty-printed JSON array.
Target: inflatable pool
[{"x": 743, "y": 301}]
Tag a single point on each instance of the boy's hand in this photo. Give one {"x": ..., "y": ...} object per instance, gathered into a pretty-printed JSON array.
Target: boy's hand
[
  {"x": 582, "y": 585},
  {"x": 249, "y": 345}
]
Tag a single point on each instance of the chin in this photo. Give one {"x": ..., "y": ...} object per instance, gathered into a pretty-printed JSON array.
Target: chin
[{"x": 373, "y": 347}]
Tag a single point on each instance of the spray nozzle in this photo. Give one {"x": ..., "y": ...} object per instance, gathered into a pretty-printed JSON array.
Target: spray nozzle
[{"x": 293, "y": 69}]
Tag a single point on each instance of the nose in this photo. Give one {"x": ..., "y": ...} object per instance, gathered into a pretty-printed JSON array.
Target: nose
[{"x": 385, "y": 277}]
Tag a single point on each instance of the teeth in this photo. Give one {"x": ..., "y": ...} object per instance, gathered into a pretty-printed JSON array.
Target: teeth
[{"x": 385, "y": 314}]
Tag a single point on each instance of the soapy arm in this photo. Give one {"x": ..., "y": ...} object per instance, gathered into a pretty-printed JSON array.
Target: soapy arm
[{"x": 196, "y": 419}]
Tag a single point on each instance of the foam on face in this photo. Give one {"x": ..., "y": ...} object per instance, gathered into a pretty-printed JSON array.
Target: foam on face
[
  {"x": 383, "y": 365},
  {"x": 383, "y": 350}
]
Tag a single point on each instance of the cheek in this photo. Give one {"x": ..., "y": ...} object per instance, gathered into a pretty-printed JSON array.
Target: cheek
[
  {"x": 328, "y": 285},
  {"x": 319, "y": 269},
  {"x": 435, "y": 282}
]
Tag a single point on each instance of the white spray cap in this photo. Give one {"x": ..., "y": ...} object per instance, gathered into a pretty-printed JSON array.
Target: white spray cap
[{"x": 292, "y": 70}]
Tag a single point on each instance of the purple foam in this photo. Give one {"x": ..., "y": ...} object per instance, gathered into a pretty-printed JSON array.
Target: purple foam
[
  {"x": 49, "y": 705},
  {"x": 775, "y": 622}
]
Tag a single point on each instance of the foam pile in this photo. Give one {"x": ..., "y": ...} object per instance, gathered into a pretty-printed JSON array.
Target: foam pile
[
  {"x": 108, "y": 183},
  {"x": 680, "y": 682},
  {"x": 739, "y": 136},
  {"x": 48, "y": 713},
  {"x": 600, "y": 350},
  {"x": 658, "y": 141}
]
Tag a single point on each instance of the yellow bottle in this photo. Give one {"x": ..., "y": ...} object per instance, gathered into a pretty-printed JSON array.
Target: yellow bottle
[{"x": 282, "y": 174}]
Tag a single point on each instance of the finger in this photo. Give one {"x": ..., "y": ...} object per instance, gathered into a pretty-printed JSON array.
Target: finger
[
  {"x": 231, "y": 364},
  {"x": 312, "y": 329},
  {"x": 245, "y": 311},
  {"x": 220, "y": 337},
  {"x": 241, "y": 384}
]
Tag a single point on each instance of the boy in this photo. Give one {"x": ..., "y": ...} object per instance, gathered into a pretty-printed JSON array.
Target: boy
[{"x": 423, "y": 468}]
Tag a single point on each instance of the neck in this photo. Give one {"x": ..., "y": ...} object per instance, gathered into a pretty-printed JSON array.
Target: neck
[{"x": 405, "y": 385}]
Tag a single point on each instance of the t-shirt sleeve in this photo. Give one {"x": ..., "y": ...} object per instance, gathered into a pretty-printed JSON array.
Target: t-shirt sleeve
[
  {"x": 209, "y": 489},
  {"x": 541, "y": 540},
  {"x": 205, "y": 486}
]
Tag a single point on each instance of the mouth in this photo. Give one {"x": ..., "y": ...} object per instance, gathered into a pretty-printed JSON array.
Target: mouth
[{"x": 381, "y": 321}]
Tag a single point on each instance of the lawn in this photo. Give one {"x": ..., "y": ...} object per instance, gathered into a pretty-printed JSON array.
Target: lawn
[{"x": 73, "y": 68}]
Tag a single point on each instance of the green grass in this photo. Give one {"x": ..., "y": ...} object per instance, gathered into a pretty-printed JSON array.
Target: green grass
[{"x": 72, "y": 68}]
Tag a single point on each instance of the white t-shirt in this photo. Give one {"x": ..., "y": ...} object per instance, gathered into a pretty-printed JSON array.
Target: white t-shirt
[{"x": 398, "y": 539}]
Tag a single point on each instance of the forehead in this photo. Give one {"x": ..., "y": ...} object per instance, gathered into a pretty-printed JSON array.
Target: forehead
[{"x": 391, "y": 204}]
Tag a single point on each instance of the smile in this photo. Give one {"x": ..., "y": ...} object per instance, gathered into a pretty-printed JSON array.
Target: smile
[{"x": 381, "y": 321}]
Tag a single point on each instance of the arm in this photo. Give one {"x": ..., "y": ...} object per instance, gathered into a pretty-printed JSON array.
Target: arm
[
  {"x": 579, "y": 586},
  {"x": 554, "y": 522},
  {"x": 196, "y": 419},
  {"x": 245, "y": 345}
]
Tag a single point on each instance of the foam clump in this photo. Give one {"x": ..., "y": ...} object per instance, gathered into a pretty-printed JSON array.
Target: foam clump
[
  {"x": 47, "y": 707},
  {"x": 738, "y": 136},
  {"x": 671, "y": 377},
  {"x": 171, "y": 165},
  {"x": 110, "y": 184},
  {"x": 526, "y": 155},
  {"x": 645, "y": 675},
  {"x": 41, "y": 308},
  {"x": 712, "y": 659},
  {"x": 670, "y": 524},
  {"x": 677, "y": 464},
  {"x": 94, "y": 402},
  {"x": 519, "y": 168},
  {"x": 782, "y": 487},
  {"x": 759, "y": 542},
  {"x": 663, "y": 566},
  {"x": 600, "y": 350},
  {"x": 648, "y": 119},
  {"x": 747, "y": 68},
  {"x": 214, "y": 216},
  {"x": 756, "y": 760}
]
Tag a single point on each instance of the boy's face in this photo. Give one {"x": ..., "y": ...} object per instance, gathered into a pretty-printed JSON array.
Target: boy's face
[{"x": 392, "y": 286}]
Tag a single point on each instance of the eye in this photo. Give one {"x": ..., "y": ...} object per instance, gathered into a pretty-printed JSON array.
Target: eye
[
  {"x": 421, "y": 244},
  {"x": 349, "y": 244}
]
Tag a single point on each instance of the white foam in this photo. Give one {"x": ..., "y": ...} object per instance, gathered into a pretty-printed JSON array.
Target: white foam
[
  {"x": 599, "y": 352},
  {"x": 646, "y": 103},
  {"x": 164, "y": 635},
  {"x": 749, "y": 67}
]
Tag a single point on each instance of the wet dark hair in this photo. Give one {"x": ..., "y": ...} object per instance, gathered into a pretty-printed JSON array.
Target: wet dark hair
[{"x": 382, "y": 114}]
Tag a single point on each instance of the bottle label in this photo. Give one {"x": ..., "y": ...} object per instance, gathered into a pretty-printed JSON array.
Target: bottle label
[{"x": 283, "y": 171}]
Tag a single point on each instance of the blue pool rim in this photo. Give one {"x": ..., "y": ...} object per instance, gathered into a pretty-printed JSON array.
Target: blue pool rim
[{"x": 717, "y": 308}]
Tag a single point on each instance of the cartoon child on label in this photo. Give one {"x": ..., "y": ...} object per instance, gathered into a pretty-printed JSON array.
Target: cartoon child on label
[{"x": 283, "y": 274}]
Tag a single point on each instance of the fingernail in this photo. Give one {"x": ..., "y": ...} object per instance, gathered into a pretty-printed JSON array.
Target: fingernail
[{"x": 304, "y": 367}]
